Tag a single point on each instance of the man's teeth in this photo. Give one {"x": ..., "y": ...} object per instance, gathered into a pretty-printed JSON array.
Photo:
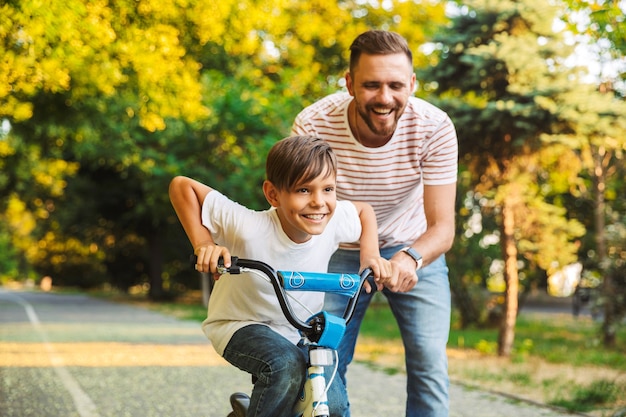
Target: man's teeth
[{"x": 382, "y": 111}]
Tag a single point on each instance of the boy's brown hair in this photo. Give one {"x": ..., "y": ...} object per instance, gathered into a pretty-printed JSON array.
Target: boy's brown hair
[{"x": 297, "y": 160}]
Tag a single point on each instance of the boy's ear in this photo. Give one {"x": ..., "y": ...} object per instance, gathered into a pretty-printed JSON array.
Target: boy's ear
[{"x": 271, "y": 193}]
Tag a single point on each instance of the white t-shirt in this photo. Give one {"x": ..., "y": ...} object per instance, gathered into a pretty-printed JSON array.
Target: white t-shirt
[
  {"x": 422, "y": 150},
  {"x": 240, "y": 300}
]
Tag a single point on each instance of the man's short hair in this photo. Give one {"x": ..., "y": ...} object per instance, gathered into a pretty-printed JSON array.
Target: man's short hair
[{"x": 378, "y": 42}]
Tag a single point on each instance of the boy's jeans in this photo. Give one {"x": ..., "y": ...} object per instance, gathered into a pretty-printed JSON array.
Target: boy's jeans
[
  {"x": 279, "y": 367},
  {"x": 423, "y": 316}
]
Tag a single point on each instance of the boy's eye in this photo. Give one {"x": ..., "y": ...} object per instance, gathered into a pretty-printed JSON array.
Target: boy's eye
[
  {"x": 302, "y": 190},
  {"x": 329, "y": 189}
]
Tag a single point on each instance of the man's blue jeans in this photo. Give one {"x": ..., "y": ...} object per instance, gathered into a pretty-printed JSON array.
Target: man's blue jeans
[
  {"x": 279, "y": 367},
  {"x": 423, "y": 316}
]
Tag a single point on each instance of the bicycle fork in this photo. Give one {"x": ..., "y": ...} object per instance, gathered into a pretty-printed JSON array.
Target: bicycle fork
[{"x": 314, "y": 399}]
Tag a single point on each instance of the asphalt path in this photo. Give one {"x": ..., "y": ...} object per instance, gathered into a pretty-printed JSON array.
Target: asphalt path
[{"x": 77, "y": 356}]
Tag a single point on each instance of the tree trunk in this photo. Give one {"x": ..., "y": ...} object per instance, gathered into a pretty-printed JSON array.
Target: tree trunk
[
  {"x": 464, "y": 301},
  {"x": 155, "y": 266},
  {"x": 608, "y": 326},
  {"x": 509, "y": 250}
]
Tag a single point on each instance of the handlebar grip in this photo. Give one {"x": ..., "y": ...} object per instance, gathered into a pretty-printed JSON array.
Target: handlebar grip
[
  {"x": 193, "y": 260},
  {"x": 345, "y": 284}
]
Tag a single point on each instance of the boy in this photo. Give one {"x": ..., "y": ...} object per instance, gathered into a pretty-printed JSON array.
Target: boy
[{"x": 300, "y": 232}]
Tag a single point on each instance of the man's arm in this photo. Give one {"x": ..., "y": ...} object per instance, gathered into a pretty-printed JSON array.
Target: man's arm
[
  {"x": 187, "y": 197},
  {"x": 439, "y": 207},
  {"x": 369, "y": 249}
]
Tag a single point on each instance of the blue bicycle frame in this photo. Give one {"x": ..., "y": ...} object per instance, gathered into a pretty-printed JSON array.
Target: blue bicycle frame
[{"x": 322, "y": 332}]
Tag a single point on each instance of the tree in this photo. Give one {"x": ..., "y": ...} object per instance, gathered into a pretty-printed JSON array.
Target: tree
[
  {"x": 112, "y": 99},
  {"x": 597, "y": 122},
  {"x": 84, "y": 88},
  {"x": 602, "y": 27},
  {"x": 498, "y": 68},
  {"x": 601, "y": 143}
]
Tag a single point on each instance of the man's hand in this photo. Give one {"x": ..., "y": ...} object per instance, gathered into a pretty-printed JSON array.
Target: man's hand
[{"x": 404, "y": 273}]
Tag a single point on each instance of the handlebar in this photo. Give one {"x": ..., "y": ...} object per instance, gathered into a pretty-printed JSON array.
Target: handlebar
[{"x": 349, "y": 285}]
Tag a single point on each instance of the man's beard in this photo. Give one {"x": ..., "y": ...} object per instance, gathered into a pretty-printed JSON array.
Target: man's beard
[{"x": 386, "y": 130}]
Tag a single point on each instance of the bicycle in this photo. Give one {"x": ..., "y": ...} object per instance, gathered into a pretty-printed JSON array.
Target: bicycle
[{"x": 321, "y": 333}]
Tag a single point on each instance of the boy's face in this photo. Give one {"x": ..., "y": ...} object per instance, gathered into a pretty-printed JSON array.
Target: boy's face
[{"x": 306, "y": 209}]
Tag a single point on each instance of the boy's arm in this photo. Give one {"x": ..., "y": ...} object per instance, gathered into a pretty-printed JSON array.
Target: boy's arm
[
  {"x": 369, "y": 250},
  {"x": 187, "y": 197}
]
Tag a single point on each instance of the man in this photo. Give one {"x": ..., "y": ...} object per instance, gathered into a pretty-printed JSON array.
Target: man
[{"x": 399, "y": 154}]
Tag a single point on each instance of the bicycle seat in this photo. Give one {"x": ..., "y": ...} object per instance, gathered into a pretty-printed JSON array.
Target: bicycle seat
[{"x": 240, "y": 403}]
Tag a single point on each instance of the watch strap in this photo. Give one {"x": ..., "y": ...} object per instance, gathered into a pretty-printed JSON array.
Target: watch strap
[{"x": 417, "y": 257}]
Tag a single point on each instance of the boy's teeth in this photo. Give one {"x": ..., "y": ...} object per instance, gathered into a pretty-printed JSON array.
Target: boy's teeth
[{"x": 314, "y": 216}]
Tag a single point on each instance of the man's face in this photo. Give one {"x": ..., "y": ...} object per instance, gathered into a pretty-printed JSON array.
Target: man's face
[{"x": 381, "y": 86}]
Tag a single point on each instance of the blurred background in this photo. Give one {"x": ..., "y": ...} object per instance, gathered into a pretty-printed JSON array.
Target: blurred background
[{"x": 103, "y": 102}]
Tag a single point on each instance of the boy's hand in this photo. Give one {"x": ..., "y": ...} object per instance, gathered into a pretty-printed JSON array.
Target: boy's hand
[
  {"x": 383, "y": 273},
  {"x": 208, "y": 256}
]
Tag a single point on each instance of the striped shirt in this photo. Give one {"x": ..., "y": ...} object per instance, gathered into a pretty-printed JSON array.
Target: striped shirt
[{"x": 422, "y": 150}]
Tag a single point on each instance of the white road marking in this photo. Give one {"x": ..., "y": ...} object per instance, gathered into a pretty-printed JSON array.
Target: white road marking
[{"x": 84, "y": 404}]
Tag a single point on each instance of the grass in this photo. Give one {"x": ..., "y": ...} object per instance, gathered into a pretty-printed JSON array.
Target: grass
[
  {"x": 587, "y": 398},
  {"x": 557, "y": 359}
]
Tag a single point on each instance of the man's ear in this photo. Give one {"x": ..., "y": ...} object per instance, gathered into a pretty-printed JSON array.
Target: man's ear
[
  {"x": 349, "y": 85},
  {"x": 271, "y": 193}
]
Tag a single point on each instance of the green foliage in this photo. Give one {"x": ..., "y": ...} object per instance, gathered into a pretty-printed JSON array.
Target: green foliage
[
  {"x": 9, "y": 265},
  {"x": 110, "y": 100},
  {"x": 499, "y": 72},
  {"x": 587, "y": 398},
  {"x": 474, "y": 250},
  {"x": 107, "y": 101},
  {"x": 605, "y": 23}
]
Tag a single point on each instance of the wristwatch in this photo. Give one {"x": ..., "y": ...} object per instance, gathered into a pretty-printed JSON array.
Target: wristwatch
[{"x": 415, "y": 255}]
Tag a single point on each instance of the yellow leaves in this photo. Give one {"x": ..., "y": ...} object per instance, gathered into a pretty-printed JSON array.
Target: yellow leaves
[
  {"x": 151, "y": 121},
  {"x": 5, "y": 149},
  {"x": 137, "y": 49},
  {"x": 54, "y": 77},
  {"x": 85, "y": 48},
  {"x": 51, "y": 174},
  {"x": 36, "y": 40},
  {"x": 18, "y": 111},
  {"x": 209, "y": 17},
  {"x": 60, "y": 249},
  {"x": 162, "y": 10},
  {"x": 169, "y": 82},
  {"x": 19, "y": 219}
]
